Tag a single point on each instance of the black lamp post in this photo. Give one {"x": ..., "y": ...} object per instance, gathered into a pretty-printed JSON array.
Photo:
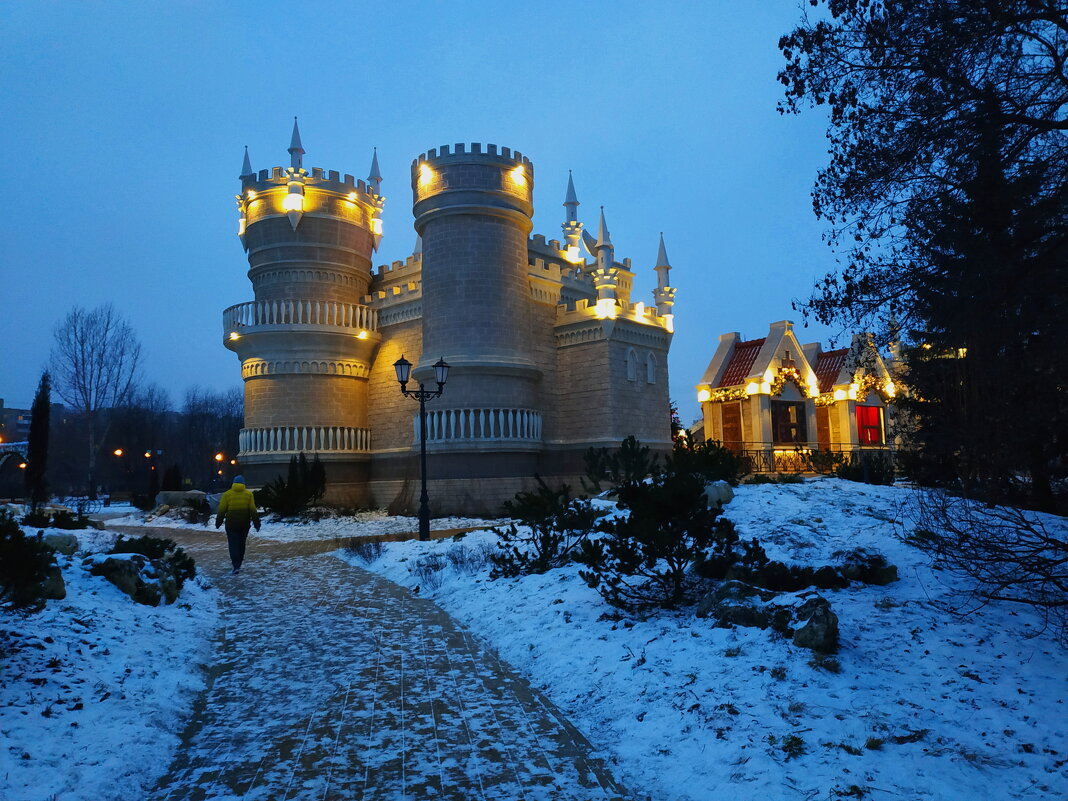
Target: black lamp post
[{"x": 441, "y": 374}]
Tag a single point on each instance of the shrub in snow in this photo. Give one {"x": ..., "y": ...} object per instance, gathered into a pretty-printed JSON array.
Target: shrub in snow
[
  {"x": 630, "y": 464},
  {"x": 868, "y": 467},
  {"x": 304, "y": 486},
  {"x": 145, "y": 580},
  {"x": 367, "y": 551},
  {"x": 28, "y": 570},
  {"x": 647, "y": 557},
  {"x": 550, "y": 527}
]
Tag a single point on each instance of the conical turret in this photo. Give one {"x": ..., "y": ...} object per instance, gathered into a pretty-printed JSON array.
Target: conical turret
[
  {"x": 246, "y": 167},
  {"x": 374, "y": 178},
  {"x": 296, "y": 149},
  {"x": 664, "y": 294},
  {"x": 572, "y": 227}
]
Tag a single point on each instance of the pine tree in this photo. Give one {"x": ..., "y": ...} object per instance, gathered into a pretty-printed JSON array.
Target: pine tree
[{"x": 37, "y": 457}]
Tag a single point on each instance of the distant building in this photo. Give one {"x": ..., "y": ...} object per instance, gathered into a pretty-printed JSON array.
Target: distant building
[
  {"x": 14, "y": 423},
  {"x": 550, "y": 354},
  {"x": 769, "y": 398}
]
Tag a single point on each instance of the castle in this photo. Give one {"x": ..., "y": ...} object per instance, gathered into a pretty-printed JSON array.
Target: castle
[{"x": 549, "y": 354}]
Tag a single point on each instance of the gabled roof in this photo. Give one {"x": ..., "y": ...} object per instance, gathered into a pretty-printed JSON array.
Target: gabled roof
[
  {"x": 828, "y": 366},
  {"x": 741, "y": 363}
]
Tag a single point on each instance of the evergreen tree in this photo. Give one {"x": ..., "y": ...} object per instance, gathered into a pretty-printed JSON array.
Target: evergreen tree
[{"x": 37, "y": 457}]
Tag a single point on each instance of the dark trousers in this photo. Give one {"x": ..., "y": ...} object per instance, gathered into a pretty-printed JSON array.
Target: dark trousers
[{"x": 235, "y": 538}]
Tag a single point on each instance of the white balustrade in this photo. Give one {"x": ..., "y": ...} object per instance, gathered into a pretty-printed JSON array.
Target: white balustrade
[
  {"x": 310, "y": 439},
  {"x": 299, "y": 312},
  {"x": 471, "y": 425}
]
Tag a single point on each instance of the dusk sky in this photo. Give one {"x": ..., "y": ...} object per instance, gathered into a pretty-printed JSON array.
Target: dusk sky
[{"x": 123, "y": 126}]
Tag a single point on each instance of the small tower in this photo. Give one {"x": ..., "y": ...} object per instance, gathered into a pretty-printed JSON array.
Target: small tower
[
  {"x": 306, "y": 342},
  {"x": 605, "y": 274},
  {"x": 572, "y": 227},
  {"x": 664, "y": 294}
]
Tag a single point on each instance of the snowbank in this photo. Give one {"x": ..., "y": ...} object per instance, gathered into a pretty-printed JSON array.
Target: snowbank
[
  {"x": 924, "y": 706},
  {"x": 96, "y": 688}
]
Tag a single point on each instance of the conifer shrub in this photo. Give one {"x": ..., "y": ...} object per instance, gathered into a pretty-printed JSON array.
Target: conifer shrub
[
  {"x": 647, "y": 557},
  {"x": 65, "y": 520},
  {"x": 550, "y": 526},
  {"x": 708, "y": 460},
  {"x": 25, "y": 563},
  {"x": 304, "y": 486},
  {"x": 825, "y": 462},
  {"x": 867, "y": 467},
  {"x": 181, "y": 564},
  {"x": 630, "y": 464}
]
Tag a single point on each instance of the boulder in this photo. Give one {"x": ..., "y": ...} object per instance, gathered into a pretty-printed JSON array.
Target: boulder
[
  {"x": 174, "y": 498},
  {"x": 866, "y": 566},
  {"x": 53, "y": 587},
  {"x": 62, "y": 542},
  {"x": 818, "y": 629},
  {"x": 719, "y": 493},
  {"x": 736, "y": 603},
  {"x": 145, "y": 580}
]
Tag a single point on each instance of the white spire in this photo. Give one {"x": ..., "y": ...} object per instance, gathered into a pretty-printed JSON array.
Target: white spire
[
  {"x": 661, "y": 256},
  {"x": 246, "y": 167},
  {"x": 604, "y": 239},
  {"x": 296, "y": 149},
  {"x": 375, "y": 176},
  {"x": 571, "y": 202}
]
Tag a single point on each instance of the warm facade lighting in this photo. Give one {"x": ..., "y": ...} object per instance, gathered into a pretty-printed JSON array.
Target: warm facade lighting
[
  {"x": 752, "y": 388},
  {"x": 426, "y": 175},
  {"x": 573, "y": 255},
  {"x": 853, "y": 390},
  {"x": 703, "y": 395},
  {"x": 251, "y": 194},
  {"x": 235, "y": 335},
  {"x": 352, "y": 197},
  {"x": 362, "y": 335},
  {"x": 293, "y": 201},
  {"x": 669, "y": 323},
  {"x": 840, "y": 394},
  {"x": 765, "y": 388},
  {"x": 241, "y": 225},
  {"x": 376, "y": 226},
  {"x": 639, "y": 309},
  {"x": 891, "y": 390},
  {"x": 518, "y": 176},
  {"x": 606, "y": 309}
]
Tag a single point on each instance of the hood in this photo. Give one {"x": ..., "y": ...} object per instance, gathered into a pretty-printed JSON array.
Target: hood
[{"x": 237, "y": 486}]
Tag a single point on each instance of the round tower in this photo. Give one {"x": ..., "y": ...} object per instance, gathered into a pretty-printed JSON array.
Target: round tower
[
  {"x": 306, "y": 342},
  {"x": 473, "y": 210}
]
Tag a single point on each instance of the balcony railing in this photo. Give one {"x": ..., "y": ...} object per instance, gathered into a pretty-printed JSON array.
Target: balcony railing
[
  {"x": 759, "y": 457},
  {"x": 310, "y": 439},
  {"x": 349, "y": 316},
  {"x": 481, "y": 425}
]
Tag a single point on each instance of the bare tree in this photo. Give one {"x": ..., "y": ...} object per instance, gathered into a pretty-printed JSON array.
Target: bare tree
[
  {"x": 1009, "y": 554},
  {"x": 95, "y": 360}
]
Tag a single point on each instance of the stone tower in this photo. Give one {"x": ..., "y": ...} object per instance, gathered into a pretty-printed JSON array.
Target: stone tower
[
  {"x": 473, "y": 210},
  {"x": 306, "y": 343}
]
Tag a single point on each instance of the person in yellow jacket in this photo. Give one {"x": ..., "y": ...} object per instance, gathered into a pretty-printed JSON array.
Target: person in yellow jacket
[{"x": 237, "y": 508}]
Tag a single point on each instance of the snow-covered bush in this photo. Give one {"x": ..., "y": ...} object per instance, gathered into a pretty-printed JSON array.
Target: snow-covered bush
[
  {"x": 550, "y": 527},
  {"x": 25, "y": 564},
  {"x": 179, "y": 562}
]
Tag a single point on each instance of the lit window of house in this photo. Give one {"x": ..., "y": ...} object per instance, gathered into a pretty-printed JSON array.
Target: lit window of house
[
  {"x": 788, "y": 422},
  {"x": 870, "y": 425}
]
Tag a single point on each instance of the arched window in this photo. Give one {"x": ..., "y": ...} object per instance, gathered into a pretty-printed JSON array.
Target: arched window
[
  {"x": 632, "y": 365},
  {"x": 650, "y": 369}
]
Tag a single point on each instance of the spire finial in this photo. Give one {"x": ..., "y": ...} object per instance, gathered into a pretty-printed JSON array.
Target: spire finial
[
  {"x": 246, "y": 167},
  {"x": 296, "y": 149},
  {"x": 604, "y": 239},
  {"x": 374, "y": 178}
]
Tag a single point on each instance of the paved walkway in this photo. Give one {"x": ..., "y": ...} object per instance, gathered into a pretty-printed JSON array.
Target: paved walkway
[{"x": 333, "y": 683}]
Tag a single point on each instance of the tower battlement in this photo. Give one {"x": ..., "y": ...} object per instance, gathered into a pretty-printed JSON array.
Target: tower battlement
[
  {"x": 461, "y": 150},
  {"x": 331, "y": 180}
]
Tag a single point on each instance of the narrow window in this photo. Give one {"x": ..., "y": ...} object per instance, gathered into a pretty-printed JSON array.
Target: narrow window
[
  {"x": 632, "y": 365},
  {"x": 788, "y": 424},
  {"x": 650, "y": 369},
  {"x": 870, "y": 425}
]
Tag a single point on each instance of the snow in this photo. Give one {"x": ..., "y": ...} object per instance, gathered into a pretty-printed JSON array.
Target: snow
[
  {"x": 690, "y": 711},
  {"x": 96, "y": 688}
]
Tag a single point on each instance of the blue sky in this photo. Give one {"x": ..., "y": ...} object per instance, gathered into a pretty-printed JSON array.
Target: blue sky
[{"x": 123, "y": 126}]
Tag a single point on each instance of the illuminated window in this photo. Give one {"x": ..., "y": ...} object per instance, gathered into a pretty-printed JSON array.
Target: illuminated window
[
  {"x": 870, "y": 425},
  {"x": 788, "y": 424}
]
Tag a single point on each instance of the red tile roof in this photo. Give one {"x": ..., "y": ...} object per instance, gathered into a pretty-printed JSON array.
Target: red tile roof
[
  {"x": 741, "y": 362},
  {"x": 828, "y": 366}
]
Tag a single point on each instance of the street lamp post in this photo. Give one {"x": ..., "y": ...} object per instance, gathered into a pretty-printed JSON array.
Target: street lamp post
[{"x": 441, "y": 374}]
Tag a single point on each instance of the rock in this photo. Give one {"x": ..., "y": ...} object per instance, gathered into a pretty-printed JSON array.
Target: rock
[
  {"x": 62, "y": 542},
  {"x": 179, "y": 497},
  {"x": 145, "y": 580},
  {"x": 819, "y": 626},
  {"x": 867, "y": 567},
  {"x": 719, "y": 493},
  {"x": 53, "y": 586},
  {"x": 736, "y": 603}
]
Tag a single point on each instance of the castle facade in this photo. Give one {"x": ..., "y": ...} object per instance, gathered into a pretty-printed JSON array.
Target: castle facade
[{"x": 549, "y": 353}]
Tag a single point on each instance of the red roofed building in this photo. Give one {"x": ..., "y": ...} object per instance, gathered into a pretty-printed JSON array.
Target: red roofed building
[{"x": 773, "y": 398}]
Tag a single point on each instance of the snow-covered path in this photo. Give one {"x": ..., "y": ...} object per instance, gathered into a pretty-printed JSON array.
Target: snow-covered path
[{"x": 330, "y": 682}]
